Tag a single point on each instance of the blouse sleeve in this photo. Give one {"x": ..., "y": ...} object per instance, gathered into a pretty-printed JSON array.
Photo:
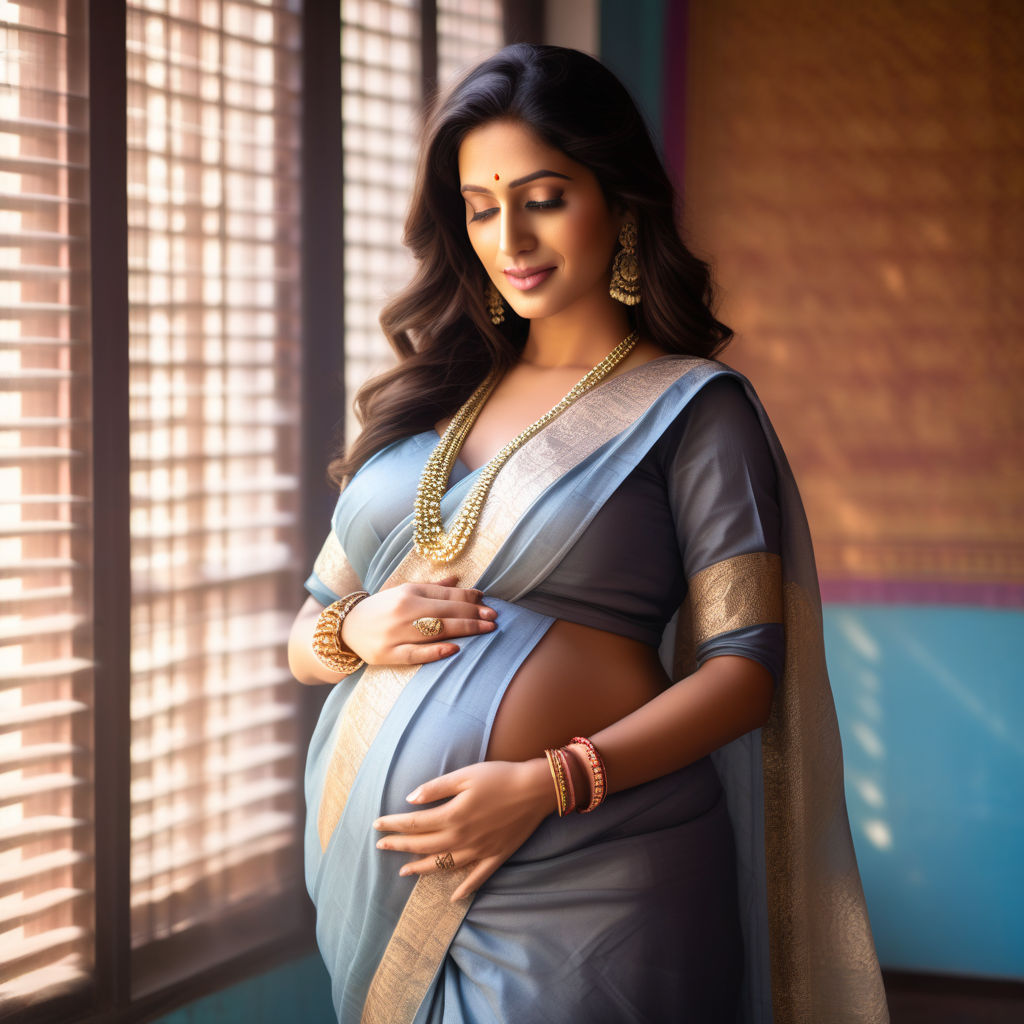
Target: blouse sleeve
[
  {"x": 724, "y": 497},
  {"x": 333, "y": 576}
]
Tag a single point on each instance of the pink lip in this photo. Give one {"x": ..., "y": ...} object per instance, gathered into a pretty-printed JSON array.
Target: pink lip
[{"x": 528, "y": 277}]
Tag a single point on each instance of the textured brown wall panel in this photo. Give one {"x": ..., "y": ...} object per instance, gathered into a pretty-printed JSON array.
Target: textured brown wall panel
[{"x": 856, "y": 173}]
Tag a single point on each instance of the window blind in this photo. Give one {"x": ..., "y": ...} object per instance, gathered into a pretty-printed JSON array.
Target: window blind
[
  {"x": 46, "y": 865},
  {"x": 467, "y": 32},
  {"x": 213, "y": 211},
  {"x": 382, "y": 105},
  {"x": 380, "y": 109},
  {"x": 213, "y": 171}
]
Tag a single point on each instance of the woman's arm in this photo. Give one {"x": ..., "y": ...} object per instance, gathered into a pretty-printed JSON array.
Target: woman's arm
[
  {"x": 727, "y": 697},
  {"x": 492, "y": 808},
  {"x": 304, "y": 664},
  {"x": 380, "y": 628}
]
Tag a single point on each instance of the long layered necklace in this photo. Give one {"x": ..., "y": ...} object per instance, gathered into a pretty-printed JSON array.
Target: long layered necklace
[{"x": 429, "y": 536}]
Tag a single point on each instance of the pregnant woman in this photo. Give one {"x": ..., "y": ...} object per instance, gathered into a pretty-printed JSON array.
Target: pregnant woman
[{"x": 580, "y": 762}]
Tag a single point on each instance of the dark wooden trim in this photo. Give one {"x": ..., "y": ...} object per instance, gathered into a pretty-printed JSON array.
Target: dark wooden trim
[
  {"x": 324, "y": 397},
  {"x": 917, "y": 997},
  {"x": 55, "y": 1010},
  {"x": 323, "y": 267},
  {"x": 428, "y": 52},
  {"x": 523, "y": 21},
  {"x": 224, "y": 975},
  {"x": 953, "y": 984},
  {"x": 178, "y": 969},
  {"x": 111, "y": 497}
]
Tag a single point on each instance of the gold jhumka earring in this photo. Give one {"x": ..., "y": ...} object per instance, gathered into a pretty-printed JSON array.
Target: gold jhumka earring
[
  {"x": 495, "y": 304},
  {"x": 625, "y": 282}
]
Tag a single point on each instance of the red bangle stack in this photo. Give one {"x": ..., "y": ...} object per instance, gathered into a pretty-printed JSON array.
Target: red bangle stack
[
  {"x": 599, "y": 777},
  {"x": 561, "y": 775}
]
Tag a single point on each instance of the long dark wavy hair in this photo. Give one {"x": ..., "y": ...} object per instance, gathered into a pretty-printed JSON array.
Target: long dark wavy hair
[{"x": 439, "y": 325}]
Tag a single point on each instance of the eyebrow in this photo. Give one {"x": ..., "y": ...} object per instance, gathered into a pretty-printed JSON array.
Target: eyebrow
[{"x": 520, "y": 181}]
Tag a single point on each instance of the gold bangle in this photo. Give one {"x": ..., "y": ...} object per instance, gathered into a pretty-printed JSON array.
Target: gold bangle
[
  {"x": 555, "y": 765},
  {"x": 327, "y": 645}
]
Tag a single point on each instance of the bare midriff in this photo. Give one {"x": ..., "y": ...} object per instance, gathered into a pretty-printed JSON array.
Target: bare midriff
[
  {"x": 575, "y": 682},
  {"x": 578, "y": 679}
]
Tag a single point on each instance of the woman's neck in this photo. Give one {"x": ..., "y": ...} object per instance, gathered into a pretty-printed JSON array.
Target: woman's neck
[{"x": 576, "y": 337}]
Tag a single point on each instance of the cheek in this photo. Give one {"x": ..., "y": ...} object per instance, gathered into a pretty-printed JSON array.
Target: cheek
[
  {"x": 478, "y": 242},
  {"x": 591, "y": 237}
]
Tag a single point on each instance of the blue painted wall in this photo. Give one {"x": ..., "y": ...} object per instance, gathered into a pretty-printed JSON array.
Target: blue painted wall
[
  {"x": 297, "y": 991},
  {"x": 631, "y": 40},
  {"x": 931, "y": 710}
]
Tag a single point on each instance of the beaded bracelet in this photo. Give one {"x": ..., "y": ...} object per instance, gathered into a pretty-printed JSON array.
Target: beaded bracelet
[
  {"x": 599, "y": 777},
  {"x": 559, "y": 772},
  {"x": 327, "y": 645}
]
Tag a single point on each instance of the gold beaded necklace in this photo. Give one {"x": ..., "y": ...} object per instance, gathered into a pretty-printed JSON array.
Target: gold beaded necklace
[{"x": 429, "y": 537}]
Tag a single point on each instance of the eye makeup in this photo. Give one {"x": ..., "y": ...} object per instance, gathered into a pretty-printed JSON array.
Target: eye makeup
[{"x": 553, "y": 203}]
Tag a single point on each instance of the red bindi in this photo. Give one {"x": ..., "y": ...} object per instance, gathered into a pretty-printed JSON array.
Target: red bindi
[{"x": 496, "y": 178}]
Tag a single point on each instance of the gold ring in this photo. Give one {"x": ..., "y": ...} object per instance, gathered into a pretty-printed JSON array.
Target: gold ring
[
  {"x": 445, "y": 861},
  {"x": 428, "y": 626}
]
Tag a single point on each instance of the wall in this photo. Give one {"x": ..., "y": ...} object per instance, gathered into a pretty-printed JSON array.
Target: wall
[
  {"x": 932, "y": 715},
  {"x": 857, "y": 174},
  {"x": 573, "y": 23},
  {"x": 632, "y": 36}
]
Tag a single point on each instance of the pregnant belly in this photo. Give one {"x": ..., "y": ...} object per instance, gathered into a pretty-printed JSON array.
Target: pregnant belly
[{"x": 576, "y": 681}]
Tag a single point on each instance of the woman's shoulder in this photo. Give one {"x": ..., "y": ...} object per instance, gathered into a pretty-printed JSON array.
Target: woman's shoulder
[
  {"x": 721, "y": 415},
  {"x": 395, "y": 459},
  {"x": 696, "y": 382}
]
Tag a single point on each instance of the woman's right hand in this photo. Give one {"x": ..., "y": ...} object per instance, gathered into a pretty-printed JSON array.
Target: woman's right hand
[{"x": 380, "y": 627}]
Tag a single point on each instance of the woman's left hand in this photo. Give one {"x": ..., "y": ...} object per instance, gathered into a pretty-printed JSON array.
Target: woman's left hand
[{"x": 491, "y": 809}]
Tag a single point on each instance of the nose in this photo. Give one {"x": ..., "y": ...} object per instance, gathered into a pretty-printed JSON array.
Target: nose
[{"x": 514, "y": 235}]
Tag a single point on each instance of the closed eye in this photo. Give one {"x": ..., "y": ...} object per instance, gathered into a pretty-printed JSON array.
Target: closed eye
[{"x": 533, "y": 204}]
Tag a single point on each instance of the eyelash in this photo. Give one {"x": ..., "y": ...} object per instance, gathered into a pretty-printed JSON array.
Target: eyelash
[{"x": 538, "y": 204}]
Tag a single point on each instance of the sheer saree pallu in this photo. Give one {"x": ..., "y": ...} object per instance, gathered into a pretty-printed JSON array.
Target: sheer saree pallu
[{"x": 574, "y": 926}]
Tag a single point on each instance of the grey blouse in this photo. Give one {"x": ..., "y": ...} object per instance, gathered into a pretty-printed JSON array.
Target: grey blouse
[{"x": 704, "y": 493}]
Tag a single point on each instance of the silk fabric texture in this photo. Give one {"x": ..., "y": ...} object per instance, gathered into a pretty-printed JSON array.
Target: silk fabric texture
[{"x": 809, "y": 953}]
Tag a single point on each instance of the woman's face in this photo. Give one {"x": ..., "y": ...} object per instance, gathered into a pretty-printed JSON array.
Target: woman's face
[{"x": 537, "y": 220}]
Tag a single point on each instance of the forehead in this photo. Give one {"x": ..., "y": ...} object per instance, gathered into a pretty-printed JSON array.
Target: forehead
[{"x": 510, "y": 150}]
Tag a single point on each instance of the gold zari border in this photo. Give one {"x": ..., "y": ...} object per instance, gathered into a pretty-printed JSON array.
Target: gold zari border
[
  {"x": 333, "y": 570},
  {"x": 416, "y": 948},
  {"x": 823, "y": 960},
  {"x": 742, "y": 591}
]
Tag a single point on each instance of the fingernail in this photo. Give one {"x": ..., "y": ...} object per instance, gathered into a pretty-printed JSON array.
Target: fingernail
[
  {"x": 414, "y": 795},
  {"x": 381, "y": 845},
  {"x": 377, "y": 825},
  {"x": 405, "y": 872},
  {"x": 488, "y": 613}
]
